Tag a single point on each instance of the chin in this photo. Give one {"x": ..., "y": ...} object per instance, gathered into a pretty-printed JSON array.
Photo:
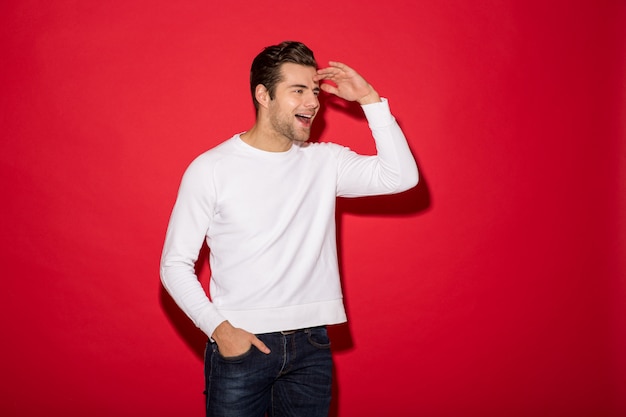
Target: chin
[{"x": 301, "y": 138}]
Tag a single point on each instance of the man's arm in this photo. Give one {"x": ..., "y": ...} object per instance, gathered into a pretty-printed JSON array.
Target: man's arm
[
  {"x": 393, "y": 169},
  {"x": 188, "y": 224}
]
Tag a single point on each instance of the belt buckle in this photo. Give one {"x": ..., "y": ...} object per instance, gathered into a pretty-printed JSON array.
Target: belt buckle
[{"x": 287, "y": 332}]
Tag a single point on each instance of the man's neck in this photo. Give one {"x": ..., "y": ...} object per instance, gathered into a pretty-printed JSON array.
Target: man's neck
[{"x": 265, "y": 139}]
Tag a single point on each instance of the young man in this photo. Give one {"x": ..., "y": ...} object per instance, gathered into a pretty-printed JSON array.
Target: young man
[{"x": 264, "y": 201}]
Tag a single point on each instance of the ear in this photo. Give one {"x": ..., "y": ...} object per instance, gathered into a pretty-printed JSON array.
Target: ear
[{"x": 262, "y": 95}]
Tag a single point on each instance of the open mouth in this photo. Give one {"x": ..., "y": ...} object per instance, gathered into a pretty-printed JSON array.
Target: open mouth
[{"x": 305, "y": 119}]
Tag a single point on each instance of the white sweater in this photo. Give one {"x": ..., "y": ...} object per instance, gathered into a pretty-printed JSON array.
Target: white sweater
[{"x": 269, "y": 221}]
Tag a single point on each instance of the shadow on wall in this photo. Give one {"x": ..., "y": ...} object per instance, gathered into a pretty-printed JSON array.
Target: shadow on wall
[
  {"x": 193, "y": 337},
  {"x": 408, "y": 203}
]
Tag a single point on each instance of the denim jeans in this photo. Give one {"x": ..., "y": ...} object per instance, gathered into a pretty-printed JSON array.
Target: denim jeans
[{"x": 293, "y": 380}]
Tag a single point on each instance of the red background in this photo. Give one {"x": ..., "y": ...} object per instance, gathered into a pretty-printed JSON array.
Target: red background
[{"x": 495, "y": 288}]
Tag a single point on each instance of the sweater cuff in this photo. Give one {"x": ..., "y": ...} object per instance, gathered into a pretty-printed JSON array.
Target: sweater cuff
[
  {"x": 209, "y": 322},
  {"x": 378, "y": 114}
]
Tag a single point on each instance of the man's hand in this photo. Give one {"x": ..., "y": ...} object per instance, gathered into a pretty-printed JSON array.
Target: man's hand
[
  {"x": 233, "y": 341},
  {"x": 349, "y": 84}
]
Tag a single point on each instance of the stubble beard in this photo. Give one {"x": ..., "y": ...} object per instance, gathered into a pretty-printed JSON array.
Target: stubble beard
[{"x": 285, "y": 126}]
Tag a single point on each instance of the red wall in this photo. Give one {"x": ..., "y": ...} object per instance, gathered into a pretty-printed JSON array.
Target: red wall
[{"x": 495, "y": 288}]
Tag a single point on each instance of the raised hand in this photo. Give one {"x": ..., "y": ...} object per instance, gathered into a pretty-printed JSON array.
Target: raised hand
[{"x": 348, "y": 84}]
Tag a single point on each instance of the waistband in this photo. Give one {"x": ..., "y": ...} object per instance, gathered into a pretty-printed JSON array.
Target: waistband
[{"x": 294, "y": 331}]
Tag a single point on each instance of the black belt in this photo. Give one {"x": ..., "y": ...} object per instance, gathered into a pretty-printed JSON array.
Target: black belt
[{"x": 290, "y": 332}]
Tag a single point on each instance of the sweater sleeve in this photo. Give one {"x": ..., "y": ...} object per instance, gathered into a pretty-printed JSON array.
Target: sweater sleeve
[
  {"x": 185, "y": 235},
  {"x": 391, "y": 170}
]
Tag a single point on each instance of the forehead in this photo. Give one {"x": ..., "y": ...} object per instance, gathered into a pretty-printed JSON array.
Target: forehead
[{"x": 299, "y": 74}]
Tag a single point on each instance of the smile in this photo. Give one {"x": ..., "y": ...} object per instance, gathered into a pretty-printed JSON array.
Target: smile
[{"x": 305, "y": 119}]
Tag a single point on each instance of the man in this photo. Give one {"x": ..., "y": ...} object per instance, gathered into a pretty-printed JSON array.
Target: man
[{"x": 264, "y": 201}]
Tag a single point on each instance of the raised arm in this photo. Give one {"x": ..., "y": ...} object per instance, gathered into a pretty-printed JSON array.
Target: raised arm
[{"x": 393, "y": 169}]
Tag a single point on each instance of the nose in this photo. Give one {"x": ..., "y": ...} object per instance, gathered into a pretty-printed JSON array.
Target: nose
[{"x": 312, "y": 101}]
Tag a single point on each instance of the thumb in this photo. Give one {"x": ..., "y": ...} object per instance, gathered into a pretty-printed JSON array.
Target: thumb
[{"x": 256, "y": 342}]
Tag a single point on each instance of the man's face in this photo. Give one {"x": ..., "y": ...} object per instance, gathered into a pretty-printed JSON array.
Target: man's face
[{"x": 295, "y": 102}]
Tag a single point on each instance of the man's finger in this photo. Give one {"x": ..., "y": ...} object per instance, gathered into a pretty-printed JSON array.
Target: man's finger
[
  {"x": 256, "y": 342},
  {"x": 329, "y": 88}
]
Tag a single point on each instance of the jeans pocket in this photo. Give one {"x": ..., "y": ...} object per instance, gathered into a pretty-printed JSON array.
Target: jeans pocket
[
  {"x": 318, "y": 337},
  {"x": 233, "y": 359}
]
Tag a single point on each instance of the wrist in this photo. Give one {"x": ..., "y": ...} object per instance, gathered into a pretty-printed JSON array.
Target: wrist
[
  {"x": 370, "y": 98},
  {"x": 222, "y": 330}
]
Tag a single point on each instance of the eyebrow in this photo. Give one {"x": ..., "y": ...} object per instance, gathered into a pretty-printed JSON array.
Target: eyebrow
[{"x": 317, "y": 88}]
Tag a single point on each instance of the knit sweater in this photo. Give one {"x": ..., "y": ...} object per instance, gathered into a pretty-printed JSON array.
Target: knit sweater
[{"x": 268, "y": 219}]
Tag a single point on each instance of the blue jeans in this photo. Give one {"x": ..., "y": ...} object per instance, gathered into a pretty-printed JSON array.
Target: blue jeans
[{"x": 293, "y": 380}]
